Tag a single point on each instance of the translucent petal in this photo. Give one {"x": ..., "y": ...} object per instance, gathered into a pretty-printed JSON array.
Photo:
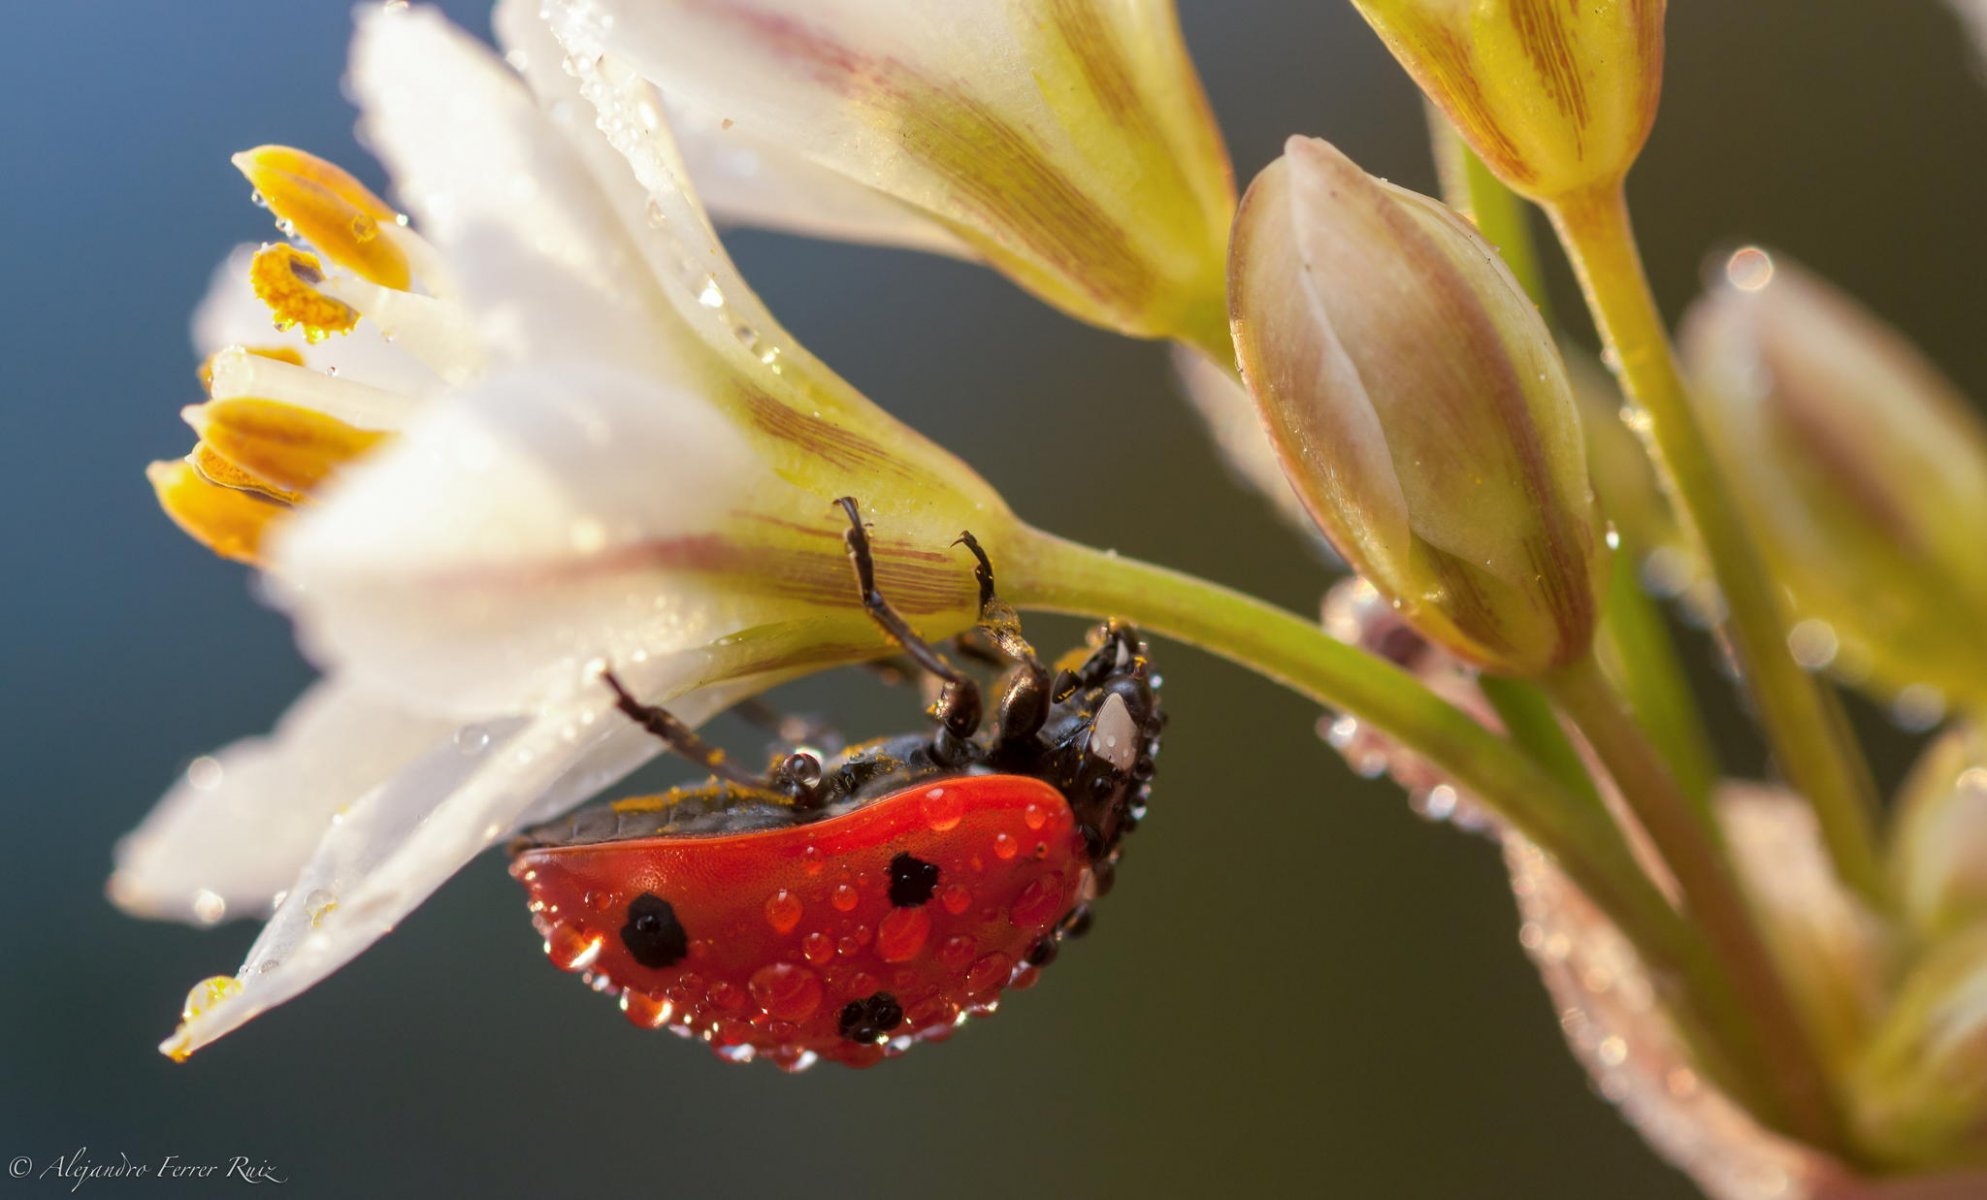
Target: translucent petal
[
  {"x": 1230, "y": 413},
  {"x": 394, "y": 845},
  {"x": 241, "y": 823}
]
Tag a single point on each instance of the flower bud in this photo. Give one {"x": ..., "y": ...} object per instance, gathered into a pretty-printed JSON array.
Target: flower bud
[
  {"x": 1918, "y": 1094},
  {"x": 1554, "y": 97},
  {"x": 1863, "y": 470},
  {"x": 1938, "y": 855},
  {"x": 1419, "y": 409}
]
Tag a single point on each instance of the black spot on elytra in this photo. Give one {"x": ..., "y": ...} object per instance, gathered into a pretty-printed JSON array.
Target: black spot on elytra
[
  {"x": 653, "y": 935},
  {"x": 912, "y": 880},
  {"x": 870, "y": 1021}
]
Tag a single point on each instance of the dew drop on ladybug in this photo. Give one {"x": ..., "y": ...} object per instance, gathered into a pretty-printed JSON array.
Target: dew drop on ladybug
[{"x": 851, "y": 909}]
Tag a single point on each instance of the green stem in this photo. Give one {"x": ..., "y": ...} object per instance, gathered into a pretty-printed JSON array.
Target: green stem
[
  {"x": 1803, "y": 721},
  {"x": 1782, "y": 1058},
  {"x": 1637, "y": 649},
  {"x": 1044, "y": 572},
  {"x": 1529, "y": 719}
]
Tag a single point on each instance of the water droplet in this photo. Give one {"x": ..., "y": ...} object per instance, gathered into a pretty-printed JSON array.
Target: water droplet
[
  {"x": 1004, "y": 846},
  {"x": 1612, "y": 1051},
  {"x": 817, "y": 947},
  {"x": 571, "y": 950},
  {"x": 598, "y": 901},
  {"x": 1749, "y": 269},
  {"x": 810, "y": 860},
  {"x": 1033, "y": 816},
  {"x": 786, "y": 991},
  {"x": 319, "y": 904},
  {"x": 989, "y": 972},
  {"x": 1039, "y": 903},
  {"x": 942, "y": 809},
  {"x": 208, "y": 993},
  {"x": 205, "y": 773},
  {"x": 209, "y": 907},
  {"x": 1813, "y": 644},
  {"x": 645, "y": 1011},
  {"x": 710, "y": 295},
  {"x": 727, "y": 995},
  {"x": 1918, "y": 708},
  {"x": 956, "y": 952},
  {"x": 783, "y": 911},
  {"x": 844, "y": 898},
  {"x": 902, "y": 933},
  {"x": 955, "y": 898}
]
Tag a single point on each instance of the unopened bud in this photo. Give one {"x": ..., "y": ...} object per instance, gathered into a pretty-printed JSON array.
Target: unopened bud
[
  {"x": 1554, "y": 97},
  {"x": 1419, "y": 408},
  {"x": 1862, "y": 469}
]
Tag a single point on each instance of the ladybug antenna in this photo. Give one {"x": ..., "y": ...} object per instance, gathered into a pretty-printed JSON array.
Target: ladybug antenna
[{"x": 958, "y": 708}]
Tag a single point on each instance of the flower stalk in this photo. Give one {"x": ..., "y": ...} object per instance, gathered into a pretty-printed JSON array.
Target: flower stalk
[
  {"x": 1781, "y": 1056},
  {"x": 1803, "y": 721}
]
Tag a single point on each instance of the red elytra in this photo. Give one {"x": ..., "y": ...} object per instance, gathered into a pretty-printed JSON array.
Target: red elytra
[{"x": 890, "y": 922}]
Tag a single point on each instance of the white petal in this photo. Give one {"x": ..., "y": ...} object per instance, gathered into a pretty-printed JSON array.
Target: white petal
[
  {"x": 400, "y": 842},
  {"x": 522, "y": 528},
  {"x": 750, "y": 180},
  {"x": 742, "y": 179},
  {"x": 231, "y": 315},
  {"x": 243, "y": 821},
  {"x": 537, "y": 250}
]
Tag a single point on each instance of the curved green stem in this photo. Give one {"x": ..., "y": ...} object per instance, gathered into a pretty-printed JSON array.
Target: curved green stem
[
  {"x": 1047, "y": 573},
  {"x": 1803, "y": 721},
  {"x": 1781, "y": 1058}
]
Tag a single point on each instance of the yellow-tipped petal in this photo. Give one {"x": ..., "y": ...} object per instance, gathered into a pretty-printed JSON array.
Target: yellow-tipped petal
[
  {"x": 1554, "y": 97},
  {"x": 285, "y": 278},
  {"x": 292, "y": 448},
  {"x": 329, "y": 209},
  {"x": 229, "y": 521}
]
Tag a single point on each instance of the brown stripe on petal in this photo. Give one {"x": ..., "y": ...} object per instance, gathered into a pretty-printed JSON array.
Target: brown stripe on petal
[
  {"x": 1094, "y": 47},
  {"x": 998, "y": 172},
  {"x": 1548, "y": 42},
  {"x": 293, "y": 448},
  {"x": 831, "y": 443},
  {"x": 1439, "y": 58}
]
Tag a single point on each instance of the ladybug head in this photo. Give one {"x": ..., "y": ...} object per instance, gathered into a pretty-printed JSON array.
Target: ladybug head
[{"x": 1101, "y": 735}]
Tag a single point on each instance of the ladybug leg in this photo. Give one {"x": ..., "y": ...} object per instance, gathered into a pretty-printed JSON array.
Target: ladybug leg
[
  {"x": 958, "y": 708},
  {"x": 797, "y": 776},
  {"x": 1024, "y": 705}
]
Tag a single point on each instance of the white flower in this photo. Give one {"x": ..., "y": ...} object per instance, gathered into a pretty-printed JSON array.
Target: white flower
[
  {"x": 1065, "y": 142},
  {"x": 586, "y": 442}
]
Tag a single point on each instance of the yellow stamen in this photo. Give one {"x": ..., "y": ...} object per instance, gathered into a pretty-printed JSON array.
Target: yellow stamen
[
  {"x": 218, "y": 470},
  {"x": 229, "y": 521},
  {"x": 288, "y": 354},
  {"x": 289, "y": 447},
  {"x": 329, "y": 209},
  {"x": 285, "y": 278}
]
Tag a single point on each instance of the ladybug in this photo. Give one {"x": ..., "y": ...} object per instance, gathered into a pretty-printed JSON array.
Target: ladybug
[{"x": 848, "y": 905}]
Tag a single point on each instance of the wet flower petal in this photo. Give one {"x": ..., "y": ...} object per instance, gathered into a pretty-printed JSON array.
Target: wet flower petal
[
  {"x": 1065, "y": 141},
  {"x": 243, "y": 821}
]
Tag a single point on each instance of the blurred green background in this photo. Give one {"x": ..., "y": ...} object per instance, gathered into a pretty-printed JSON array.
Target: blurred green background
[{"x": 1297, "y": 988}]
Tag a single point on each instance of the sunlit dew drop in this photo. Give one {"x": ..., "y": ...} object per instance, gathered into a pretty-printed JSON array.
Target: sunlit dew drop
[
  {"x": 942, "y": 809},
  {"x": 1813, "y": 643},
  {"x": 710, "y": 295},
  {"x": 1974, "y": 780},
  {"x": 209, "y": 907},
  {"x": 1749, "y": 269},
  {"x": 472, "y": 740},
  {"x": 208, "y": 993},
  {"x": 1918, "y": 707},
  {"x": 258, "y": 199},
  {"x": 1342, "y": 732},
  {"x": 205, "y": 773},
  {"x": 319, "y": 904}
]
